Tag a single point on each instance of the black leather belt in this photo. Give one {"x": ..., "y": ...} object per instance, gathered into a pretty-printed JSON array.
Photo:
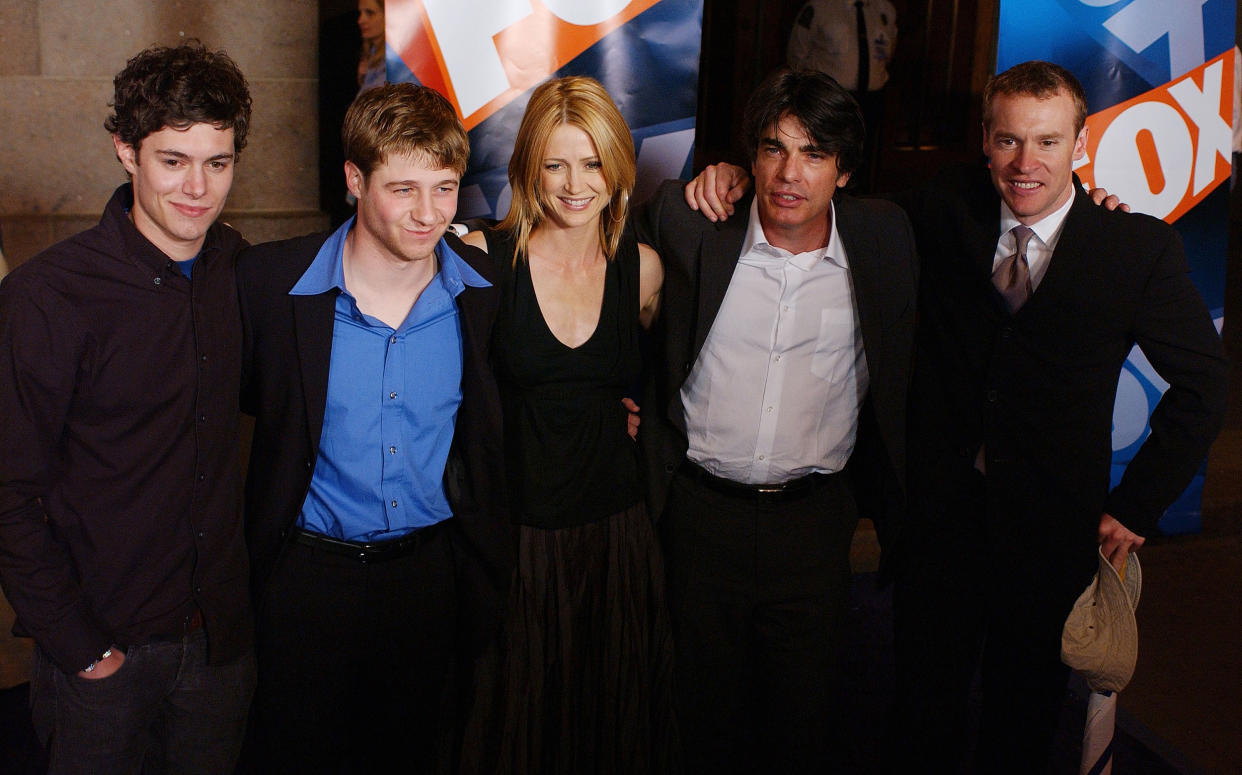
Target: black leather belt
[
  {"x": 781, "y": 491},
  {"x": 378, "y": 551}
]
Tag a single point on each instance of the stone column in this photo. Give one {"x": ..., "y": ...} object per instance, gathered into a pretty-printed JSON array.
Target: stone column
[{"x": 57, "y": 59}]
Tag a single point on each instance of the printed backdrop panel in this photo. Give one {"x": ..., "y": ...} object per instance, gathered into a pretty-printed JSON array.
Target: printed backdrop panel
[{"x": 487, "y": 55}]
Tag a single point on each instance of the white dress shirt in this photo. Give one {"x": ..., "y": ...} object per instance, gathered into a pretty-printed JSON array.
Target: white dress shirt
[
  {"x": 1043, "y": 241},
  {"x": 825, "y": 38},
  {"x": 775, "y": 391}
]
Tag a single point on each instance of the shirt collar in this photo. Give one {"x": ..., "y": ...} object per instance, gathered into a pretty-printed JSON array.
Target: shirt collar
[
  {"x": 327, "y": 271},
  {"x": 756, "y": 241},
  {"x": 1047, "y": 229},
  {"x": 137, "y": 244}
]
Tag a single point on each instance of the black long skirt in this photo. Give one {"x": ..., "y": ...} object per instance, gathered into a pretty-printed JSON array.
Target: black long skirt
[{"x": 582, "y": 679}]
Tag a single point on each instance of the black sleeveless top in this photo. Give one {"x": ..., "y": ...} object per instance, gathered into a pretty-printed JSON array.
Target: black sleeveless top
[{"x": 569, "y": 457}]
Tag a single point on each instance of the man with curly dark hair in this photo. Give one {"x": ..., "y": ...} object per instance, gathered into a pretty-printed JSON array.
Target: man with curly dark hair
[{"x": 120, "y": 523}]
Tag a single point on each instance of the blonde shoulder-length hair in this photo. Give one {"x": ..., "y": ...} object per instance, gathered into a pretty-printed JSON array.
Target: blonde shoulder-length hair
[{"x": 581, "y": 102}]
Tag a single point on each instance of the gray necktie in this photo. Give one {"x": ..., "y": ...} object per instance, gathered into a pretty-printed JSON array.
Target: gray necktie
[{"x": 1012, "y": 277}]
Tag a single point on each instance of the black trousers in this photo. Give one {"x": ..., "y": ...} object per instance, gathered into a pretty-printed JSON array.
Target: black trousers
[
  {"x": 756, "y": 593},
  {"x": 355, "y": 662},
  {"x": 962, "y": 606}
]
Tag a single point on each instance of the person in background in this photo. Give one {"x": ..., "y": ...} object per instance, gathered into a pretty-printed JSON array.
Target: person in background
[
  {"x": 121, "y": 545},
  {"x": 853, "y": 41},
  {"x": 587, "y": 648},
  {"x": 372, "y": 70}
]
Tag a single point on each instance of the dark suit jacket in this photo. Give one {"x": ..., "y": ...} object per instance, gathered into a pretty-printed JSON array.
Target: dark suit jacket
[
  {"x": 287, "y": 344},
  {"x": 699, "y": 257},
  {"x": 1038, "y": 387}
]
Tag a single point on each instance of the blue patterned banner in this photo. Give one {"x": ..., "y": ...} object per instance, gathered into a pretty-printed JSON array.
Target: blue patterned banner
[{"x": 487, "y": 55}]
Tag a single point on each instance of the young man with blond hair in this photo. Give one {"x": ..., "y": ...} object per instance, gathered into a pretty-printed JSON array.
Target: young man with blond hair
[{"x": 374, "y": 499}]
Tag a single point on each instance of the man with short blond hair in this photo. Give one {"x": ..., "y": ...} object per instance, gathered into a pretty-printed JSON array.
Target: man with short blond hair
[
  {"x": 374, "y": 500},
  {"x": 1031, "y": 298}
]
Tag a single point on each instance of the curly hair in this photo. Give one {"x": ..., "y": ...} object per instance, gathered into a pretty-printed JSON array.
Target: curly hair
[{"x": 176, "y": 87}]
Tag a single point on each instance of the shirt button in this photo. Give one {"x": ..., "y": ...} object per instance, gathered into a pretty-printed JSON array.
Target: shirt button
[
  {"x": 394, "y": 504},
  {"x": 777, "y": 357},
  {"x": 761, "y": 457},
  {"x": 158, "y": 280},
  {"x": 201, "y": 533},
  {"x": 202, "y": 418},
  {"x": 393, "y": 394},
  {"x": 769, "y": 410},
  {"x": 392, "y": 450},
  {"x": 203, "y": 358},
  {"x": 201, "y": 477},
  {"x": 392, "y": 339}
]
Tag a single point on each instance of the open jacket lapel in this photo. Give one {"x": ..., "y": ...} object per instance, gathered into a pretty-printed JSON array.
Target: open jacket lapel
[{"x": 313, "y": 318}]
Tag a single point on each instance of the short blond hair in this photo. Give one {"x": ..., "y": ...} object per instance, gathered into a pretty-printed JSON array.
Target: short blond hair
[
  {"x": 1041, "y": 80},
  {"x": 583, "y": 103},
  {"x": 404, "y": 119}
]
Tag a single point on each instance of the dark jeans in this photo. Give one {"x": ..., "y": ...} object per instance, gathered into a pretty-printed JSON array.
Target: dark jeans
[
  {"x": 756, "y": 594},
  {"x": 355, "y": 661},
  {"x": 164, "y": 710}
]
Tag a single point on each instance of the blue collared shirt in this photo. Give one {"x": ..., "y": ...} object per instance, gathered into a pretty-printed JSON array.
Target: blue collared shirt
[{"x": 392, "y": 402}]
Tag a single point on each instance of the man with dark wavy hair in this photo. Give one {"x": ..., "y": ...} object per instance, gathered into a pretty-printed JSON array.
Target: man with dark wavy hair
[{"x": 120, "y": 527}]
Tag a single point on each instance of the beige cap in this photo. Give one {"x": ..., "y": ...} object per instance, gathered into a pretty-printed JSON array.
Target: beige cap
[{"x": 1100, "y": 638}]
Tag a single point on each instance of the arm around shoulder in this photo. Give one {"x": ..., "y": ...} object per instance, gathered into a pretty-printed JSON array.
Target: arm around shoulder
[{"x": 650, "y": 280}]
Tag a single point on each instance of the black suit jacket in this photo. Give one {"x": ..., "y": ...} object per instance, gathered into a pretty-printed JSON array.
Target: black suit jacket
[
  {"x": 1038, "y": 387},
  {"x": 699, "y": 257},
  {"x": 287, "y": 345}
]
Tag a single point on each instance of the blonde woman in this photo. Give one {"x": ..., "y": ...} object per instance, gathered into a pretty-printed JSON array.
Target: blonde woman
[{"x": 587, "y": 654}]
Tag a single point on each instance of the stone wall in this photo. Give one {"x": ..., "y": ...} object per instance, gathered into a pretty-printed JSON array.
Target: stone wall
[{"x": 57, "y": 59}]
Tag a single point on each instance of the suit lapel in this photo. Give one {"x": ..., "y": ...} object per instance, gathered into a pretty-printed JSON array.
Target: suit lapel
[
  {"x": 718, "y": 255},
  {"x": 312, "y": 326},
  {"x": 860, "y": 248}
]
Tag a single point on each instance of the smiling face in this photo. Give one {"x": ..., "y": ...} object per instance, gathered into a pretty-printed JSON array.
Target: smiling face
[
  {"x": 370, "y": 20},
  {"x": 574, "y": 189},
  {"x": 404, "y": 206},
  {"x": 794, "y": 184},
  {"x": 181, "y": 178},
  {"x": 1031, "y": 148}
]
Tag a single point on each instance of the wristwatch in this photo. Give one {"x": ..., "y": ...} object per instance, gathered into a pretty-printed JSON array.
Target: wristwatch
[{"x": 107, "y": 653}]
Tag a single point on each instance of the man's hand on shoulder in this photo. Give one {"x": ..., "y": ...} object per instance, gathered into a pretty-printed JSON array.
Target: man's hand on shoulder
[
  {"x": 1110, "y": 201},
  {"x": 631, "y": 419},
  {"x": 714, "y": 191},
  {"x": 1117, "y": 541}
]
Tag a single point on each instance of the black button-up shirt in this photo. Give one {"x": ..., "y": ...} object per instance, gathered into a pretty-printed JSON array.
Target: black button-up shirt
[{"x": 120, "y": 506}]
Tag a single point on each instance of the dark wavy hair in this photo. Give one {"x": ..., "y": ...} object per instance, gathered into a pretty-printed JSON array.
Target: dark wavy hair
[
  {"x": 176, "y": 87},
  {"x": 829, "y": 114}
]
